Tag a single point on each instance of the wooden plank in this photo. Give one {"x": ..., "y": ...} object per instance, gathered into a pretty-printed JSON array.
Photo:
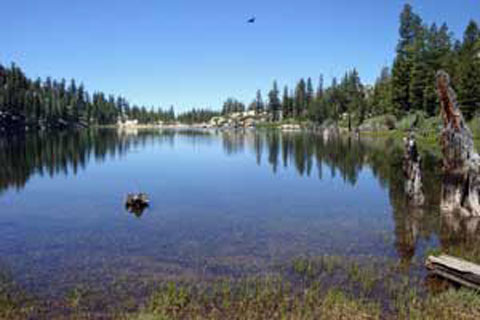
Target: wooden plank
[
  {"x": 456, "y": 263},
  {"x": 455, "y": 269}
]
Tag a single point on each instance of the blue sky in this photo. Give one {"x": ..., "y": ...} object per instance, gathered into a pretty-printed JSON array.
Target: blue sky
[{"x": 198, "y": 53}]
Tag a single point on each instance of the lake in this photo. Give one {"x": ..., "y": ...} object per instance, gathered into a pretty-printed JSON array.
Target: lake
[{"x": 223, "y": 203}]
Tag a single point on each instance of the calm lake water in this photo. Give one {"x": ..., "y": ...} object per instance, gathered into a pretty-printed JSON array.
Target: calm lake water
[{"x": 223, "y": 203}]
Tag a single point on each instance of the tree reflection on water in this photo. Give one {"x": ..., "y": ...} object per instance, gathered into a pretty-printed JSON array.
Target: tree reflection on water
[{"x": 68, "y": 152}]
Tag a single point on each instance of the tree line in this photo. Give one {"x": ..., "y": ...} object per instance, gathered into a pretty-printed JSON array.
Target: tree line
[
  {"x": 197, "y": 116},
  {"x": 52, "y": 103},
  {"x": 407, "y": 86},
  {"x": 423, "y": 50}
]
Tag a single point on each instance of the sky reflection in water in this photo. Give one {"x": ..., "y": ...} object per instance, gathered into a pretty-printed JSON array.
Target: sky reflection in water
[{"x": 222, "y": 203}]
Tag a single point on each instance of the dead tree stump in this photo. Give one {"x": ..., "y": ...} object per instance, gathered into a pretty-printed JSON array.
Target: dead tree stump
[
  {"x": 461, "y": 164},
  {"x": 413, "y": 172}
]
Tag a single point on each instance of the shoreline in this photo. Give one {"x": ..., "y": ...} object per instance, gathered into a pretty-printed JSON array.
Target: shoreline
[{"x": 336, "y": 287}]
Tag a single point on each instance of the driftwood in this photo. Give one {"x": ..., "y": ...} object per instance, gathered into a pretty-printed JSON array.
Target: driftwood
[
  {"x": 137, "y": 203},
  {"x": 456, "y": 270}
]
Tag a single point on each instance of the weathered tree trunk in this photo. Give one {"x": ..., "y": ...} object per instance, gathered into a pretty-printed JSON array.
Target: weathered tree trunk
[
  {"x": 456, "y": 139},
  {"x": 412, "y": 171},
  {"x": 461, "y": 182},
  {"x": 460, "y": 193}
]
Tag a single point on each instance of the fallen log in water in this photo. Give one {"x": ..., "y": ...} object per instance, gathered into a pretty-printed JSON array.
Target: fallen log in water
[{"x": 454, "y": 269}]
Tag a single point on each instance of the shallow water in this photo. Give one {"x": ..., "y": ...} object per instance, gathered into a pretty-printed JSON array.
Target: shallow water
[{"x": 223, "y": 203}]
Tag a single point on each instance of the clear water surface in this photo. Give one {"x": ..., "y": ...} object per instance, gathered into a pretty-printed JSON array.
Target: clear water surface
[{"x": 223, "y": 203}]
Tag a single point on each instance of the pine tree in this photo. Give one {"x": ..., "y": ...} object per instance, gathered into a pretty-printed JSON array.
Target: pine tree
[
  {"x": 410, "y": 27},
  {"x": 318, "y": 113},
  {"x": 437, "y": 56},
  {"x": 418, "y": 73},
  {"x": 320, "y": 89},
  {"x": 274, "y": 105},
  {"x": 286, "y": 103},
  {"x": 354, "y": 96},
  {"x": 469, "y": 71},
  {"x": 309, "y": 95},
  {"x": 334, "y": 100},
  {"x": 382, "y": 93},
  {"x": 259, "y": 105},
  {"x": 300, "y": 99}
]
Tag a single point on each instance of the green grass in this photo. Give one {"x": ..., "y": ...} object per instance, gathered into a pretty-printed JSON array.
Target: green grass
[
  {"x": 255, "y": 299},
  {"x": 14, "y": 303},
  {"x": 452, "y": 304},
  {"x": 427, "y": 130},
  {"x": 378, "y": 123},
  {"x": 324, "y": 287},
  {"x": 276, "y": 125},
  {"x": 273, "y": 299}
]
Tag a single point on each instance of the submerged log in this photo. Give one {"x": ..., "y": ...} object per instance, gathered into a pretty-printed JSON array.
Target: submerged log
[
  {"x": 456, "y": 270},
  {"x": 137, "y": 203}
]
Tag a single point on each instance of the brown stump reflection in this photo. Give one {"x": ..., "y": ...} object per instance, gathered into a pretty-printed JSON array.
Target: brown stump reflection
[
  {"x": 460, "y": 235},
  {"x": 408, "y": 229},
  {"x": 408, "y": 199}
]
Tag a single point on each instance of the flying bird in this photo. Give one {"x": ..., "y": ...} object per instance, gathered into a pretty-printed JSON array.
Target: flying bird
[{"x": 251, "y": 20}]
